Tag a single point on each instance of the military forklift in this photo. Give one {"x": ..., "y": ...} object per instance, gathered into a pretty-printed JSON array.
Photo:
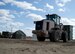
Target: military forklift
[{"x": 51, "y": 28}]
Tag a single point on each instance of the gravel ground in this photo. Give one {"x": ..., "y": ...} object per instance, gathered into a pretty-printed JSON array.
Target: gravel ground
[{"x": 13, "y": 46}]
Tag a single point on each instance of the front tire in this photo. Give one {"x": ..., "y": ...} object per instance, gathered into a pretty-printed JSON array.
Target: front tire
[
  {"x": 64, "y": 36},
  {"x": 40, "y": 38},
  {"x": 54, "y": 36}
]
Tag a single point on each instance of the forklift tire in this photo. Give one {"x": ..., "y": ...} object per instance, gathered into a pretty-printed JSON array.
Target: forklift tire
[
  {"x": 54, "y": 36},
  {"x": 50, "y": 37},
  {"x": 39, "y": 38},
  {"x": 64, "y": 36}
]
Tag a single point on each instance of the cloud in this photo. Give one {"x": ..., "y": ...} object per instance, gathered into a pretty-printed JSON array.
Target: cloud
[
  {"x": 15, "y": 25},
  {"x": 35, "y": 17},
  {"x": 5, "y": 15},
  {"x": 4, "y": 12},
  {"x": 7, "y": 19},
  {"x": 8, "y": 1},
  {"x": 61, "y": 10},
  {"x": 62, "y": 3},
  {"x": 18, "y": 24},
  {"x": 8, "y": 25},
  {"x": 50, "y": 6},
  {"x": 1, "y": 3},
  {"x": 24, "y": 5},
  {"x": 65, "y": 1},
  {"x": 68, "y": 21}
]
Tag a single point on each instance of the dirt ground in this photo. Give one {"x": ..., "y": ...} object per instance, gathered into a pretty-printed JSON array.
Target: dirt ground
[{"x": 12, "y": 46}]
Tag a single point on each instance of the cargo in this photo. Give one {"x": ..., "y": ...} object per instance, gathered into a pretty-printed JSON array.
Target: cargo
[{"x": 69, "y": 29}]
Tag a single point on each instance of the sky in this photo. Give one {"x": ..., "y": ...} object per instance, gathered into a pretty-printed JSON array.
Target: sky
[{"x": 21, "y": 14}]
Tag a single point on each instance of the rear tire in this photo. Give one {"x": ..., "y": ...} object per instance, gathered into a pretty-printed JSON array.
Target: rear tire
[
  {"x": 64, "y": 36},
  {"x": 39, "y": 38}
]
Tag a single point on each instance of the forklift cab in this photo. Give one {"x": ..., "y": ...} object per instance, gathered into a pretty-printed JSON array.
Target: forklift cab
[
  {"x": 51, "y": 21},
  {"x": 53, "y": 17},
  {"x": 56, "y": 19}
]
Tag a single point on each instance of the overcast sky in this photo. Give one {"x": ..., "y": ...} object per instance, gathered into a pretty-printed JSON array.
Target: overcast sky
[{"x": 20, "y": 14}]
